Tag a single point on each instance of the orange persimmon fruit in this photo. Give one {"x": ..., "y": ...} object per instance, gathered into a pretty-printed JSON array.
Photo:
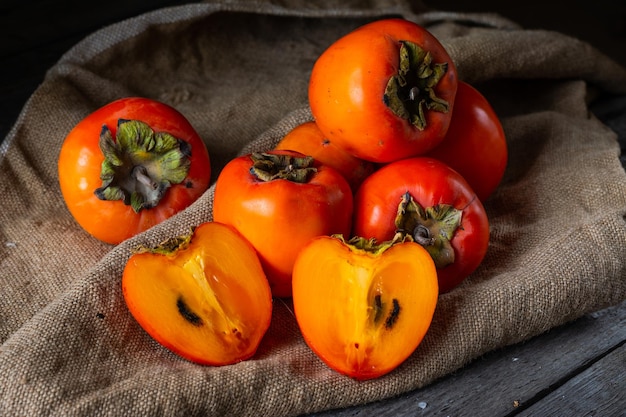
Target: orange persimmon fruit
[
  {"x": 204, "y": 296},
  {"x": 308, "y": 139},
  {"x": 364, "y": 307},
  {"x": 279, "y": 200}
]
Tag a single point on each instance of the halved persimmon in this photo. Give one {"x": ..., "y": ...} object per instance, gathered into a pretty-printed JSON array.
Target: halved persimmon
[
  {"x": 364, "y": 307},
  {"x": 204, "y": 296}
]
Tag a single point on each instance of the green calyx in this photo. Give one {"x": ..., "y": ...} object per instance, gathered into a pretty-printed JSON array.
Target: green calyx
[
  {"x": 411, "y": 92},
  {"x": 432, "y": 227},
  {"x": 268, "y": 167},
  {"x": 140, "y": 165}
]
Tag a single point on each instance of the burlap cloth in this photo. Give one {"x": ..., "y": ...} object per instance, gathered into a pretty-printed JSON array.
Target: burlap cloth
[{"x": 239, "y": 72}]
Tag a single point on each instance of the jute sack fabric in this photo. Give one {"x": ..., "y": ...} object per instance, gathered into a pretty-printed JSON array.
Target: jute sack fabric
[{"x": 239, "y": 72}]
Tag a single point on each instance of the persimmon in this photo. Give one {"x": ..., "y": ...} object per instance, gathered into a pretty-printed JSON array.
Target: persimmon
[
  {"x": 308, "y": 139},
  {"x": 425, "y": 198},
  {"x": 130, "y": 165},
  {"x": 204, "y": 296},
  {"x": 279, "y": 200},
  {"x": 384, "y": 91},
  {"x": 364, "y": 307},
  {"x": 475, "y": 145}
]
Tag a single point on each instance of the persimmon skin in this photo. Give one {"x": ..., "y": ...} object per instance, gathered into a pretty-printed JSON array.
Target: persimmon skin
[
  {"x": 363, "y": 314},
  {"x": 80, "y": 162},
  {"x": 209, "y": 303},
  {"x": 475, "y": 144},
  {"x": 280, "y": 216},
  {"x": 308, "y": 139},
  {"x": 347, "y": 86}
]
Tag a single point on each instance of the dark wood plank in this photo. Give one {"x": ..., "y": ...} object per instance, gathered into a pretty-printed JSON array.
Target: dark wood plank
[
  {"x": 599, "y": 390},
  {"x": 514, "y": 379}
]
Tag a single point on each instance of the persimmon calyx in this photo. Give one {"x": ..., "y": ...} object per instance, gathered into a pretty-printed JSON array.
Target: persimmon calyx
[
  {"x": 372, "y": 246},
  {"x": 169, "y": 246},
  {"x": 268, "y": 167},
  {"x": 410, "y": 93},
  {"x": 140, "y": 165},
  {"x": 432, "y": 227}
]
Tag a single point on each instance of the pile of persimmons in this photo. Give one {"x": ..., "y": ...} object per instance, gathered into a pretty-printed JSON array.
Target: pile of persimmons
[{"x": 361, "y": 217}]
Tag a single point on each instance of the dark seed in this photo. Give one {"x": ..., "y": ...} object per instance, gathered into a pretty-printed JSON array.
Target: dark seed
[
  {"x": 187, "y": 314},
  {"x": 393, "y": 314}
]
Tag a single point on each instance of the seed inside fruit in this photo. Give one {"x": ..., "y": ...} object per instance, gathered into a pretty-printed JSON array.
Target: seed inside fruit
[{"x": 187, "y": 314}]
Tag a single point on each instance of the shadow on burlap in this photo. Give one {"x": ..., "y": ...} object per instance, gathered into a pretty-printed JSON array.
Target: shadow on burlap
[{"x": 239, "y": 72}]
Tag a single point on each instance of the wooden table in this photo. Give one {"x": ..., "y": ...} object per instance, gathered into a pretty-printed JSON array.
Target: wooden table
[{"x": 574, "y": 370}]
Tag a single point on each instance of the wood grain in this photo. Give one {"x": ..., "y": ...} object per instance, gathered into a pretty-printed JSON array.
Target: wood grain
[{"x": 520, "y": 378}]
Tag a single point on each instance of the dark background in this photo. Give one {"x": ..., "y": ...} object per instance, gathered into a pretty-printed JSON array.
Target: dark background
[{"x": 35, "y": 33}]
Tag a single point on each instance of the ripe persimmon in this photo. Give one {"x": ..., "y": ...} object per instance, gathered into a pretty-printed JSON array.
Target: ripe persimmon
[
  {"x": 204, "y": 296},
  {"x": 279, "y": 200},
  {"x": 475, "y": 145},
  {"x": 130, "y": 165},
  {"x": 384, "y": 91},
  {"x": 364, "y": 307},
  {"x": 425, "y": 198},
  {"x": 308, "y": 139}
]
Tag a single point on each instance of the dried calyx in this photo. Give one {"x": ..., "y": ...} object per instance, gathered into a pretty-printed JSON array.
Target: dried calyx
[
  {"x": 269, "y": 166},
  {"x": 371, "y": 245},
  {"x": 432, "y": 227},
  {"x": 411, "y": 92}
]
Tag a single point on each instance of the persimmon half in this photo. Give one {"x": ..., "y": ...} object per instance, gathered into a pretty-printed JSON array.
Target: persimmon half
[
  {"x": 364, "y": 307},
  {"x": 203, "y": 296}
]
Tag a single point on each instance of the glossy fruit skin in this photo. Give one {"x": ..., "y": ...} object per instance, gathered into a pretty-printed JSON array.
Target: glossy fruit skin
[
  {"x": 347, "y": 86},
  {"x": 308, "y": 139},
  {"x": 362, "y": 313},
  {"x": 80, "y": 162},
  {"x": 430, "y": 182},
  {"x": 280, "y": 216},
  {"x": 475, "y": 145},
  {"x": 217, "y": 279}
]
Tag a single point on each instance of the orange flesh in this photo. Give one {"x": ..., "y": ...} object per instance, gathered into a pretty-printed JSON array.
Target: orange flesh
[
  {"x": 209, "y": 303},
  {"x": 364, "y": 314}
]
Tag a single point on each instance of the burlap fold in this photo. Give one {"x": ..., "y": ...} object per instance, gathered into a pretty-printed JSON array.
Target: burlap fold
[{"x": 239, "y": 72}]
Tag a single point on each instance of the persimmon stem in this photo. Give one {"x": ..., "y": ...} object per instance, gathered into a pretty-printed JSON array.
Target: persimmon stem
[
  {"x": 414, "y": 93},
  {"x": 432, "y": 227},
  {"x": 140, "y": 173},
  {"x": 410, "y": 93},
  {"x": 140, "y": 165},
  {"x": 421, "y": 234}
]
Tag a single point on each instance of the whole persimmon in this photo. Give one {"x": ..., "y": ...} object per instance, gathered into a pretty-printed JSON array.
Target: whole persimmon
[
  {"x": 384, "y": 91},
  {"x": 279, "y": 200},
  {"x": 425, "y": 198},
  {"x": 130, "y": 165},
  {"x": 204, "y": 296},
  {"x": 364, "y": 307},
  {"x": 308, "y": 139},
  {"x": 475, "y": 145}
]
